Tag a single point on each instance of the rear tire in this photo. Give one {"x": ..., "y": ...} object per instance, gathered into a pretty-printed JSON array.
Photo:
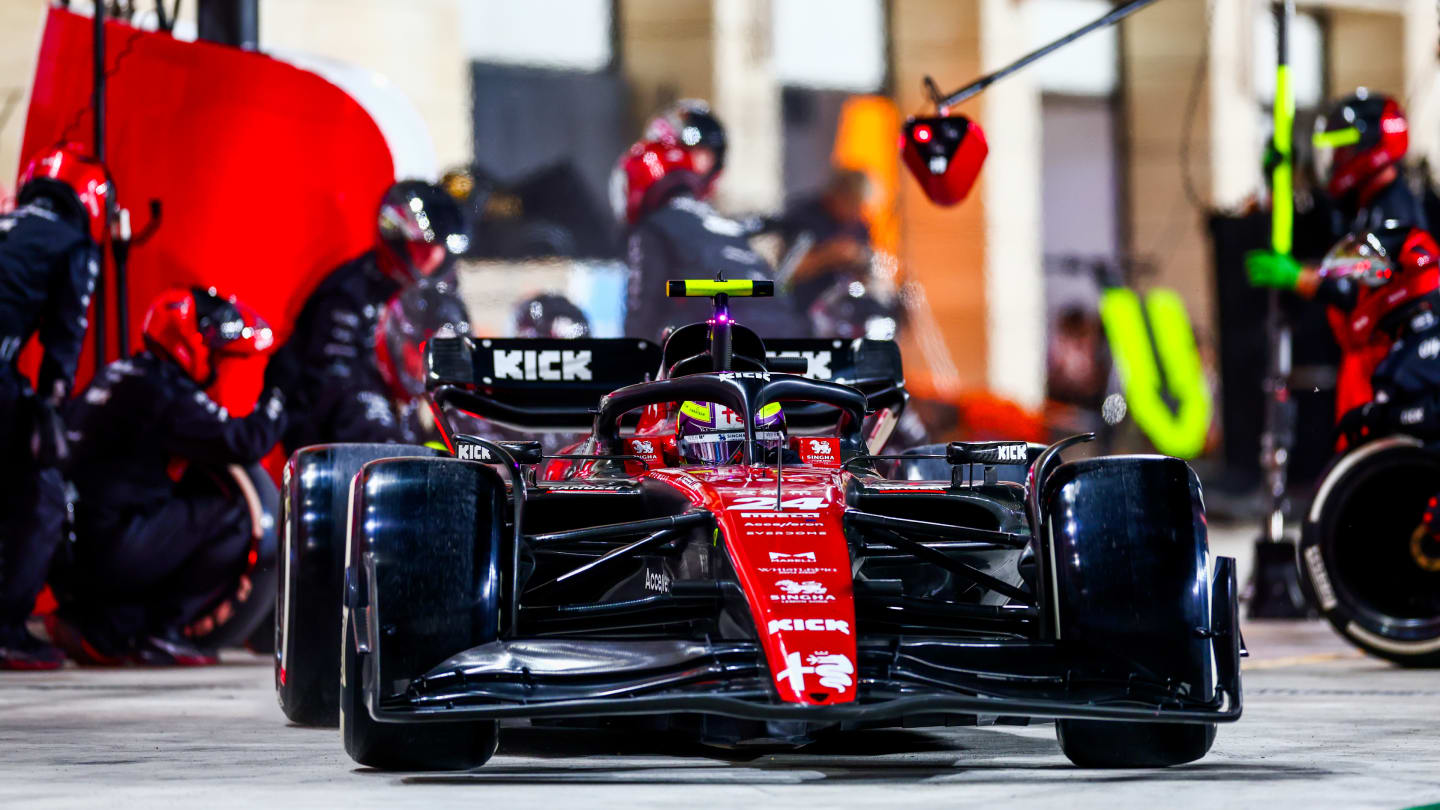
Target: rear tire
[
  {"x": 316, "y": 498},
  {"x": 1126, "y": 566}
]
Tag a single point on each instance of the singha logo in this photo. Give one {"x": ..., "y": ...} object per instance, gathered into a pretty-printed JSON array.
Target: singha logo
[
  {"x": 790, "y": 586},
  {"x": 808, "y": 592}
]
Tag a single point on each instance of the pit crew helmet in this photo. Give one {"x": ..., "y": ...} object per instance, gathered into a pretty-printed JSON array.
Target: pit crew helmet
[
  {"x": 1390, "y": 268},
  {"x": 411, "y": 317},
  {"x": 691, "y": 125},
  {"x": 648, "y": 174},
  {"x": 550, "y": 316},
  {"x": 848, "y": 309},
  {"x": 422, "y": 230},
  {"x": 197, "y": 329},
  {"x": 67, "y": 177},
  {"x": 1359, "y": 137},
  {"x": 711, "y": 434}
]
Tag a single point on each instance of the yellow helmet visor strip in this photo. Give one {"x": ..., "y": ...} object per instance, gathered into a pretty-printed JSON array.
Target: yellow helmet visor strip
[{"x": 1336, "y": 138}]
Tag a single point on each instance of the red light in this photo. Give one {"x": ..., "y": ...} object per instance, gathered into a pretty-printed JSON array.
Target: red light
[{"x": 922, "y": 133}]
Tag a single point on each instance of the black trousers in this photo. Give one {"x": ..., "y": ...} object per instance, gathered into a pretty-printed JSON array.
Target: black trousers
[
  {"x": 32, "y": 509},
  {"x": 162, "y": 568}
]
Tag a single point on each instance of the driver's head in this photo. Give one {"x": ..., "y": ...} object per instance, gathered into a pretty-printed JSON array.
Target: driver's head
[
  {"x": 411, "y": 317},
  {"x": 712, "y": 434}
]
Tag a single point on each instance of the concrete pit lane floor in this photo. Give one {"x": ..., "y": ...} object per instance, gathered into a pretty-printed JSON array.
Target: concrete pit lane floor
[{"x": 1324, "y": 726}]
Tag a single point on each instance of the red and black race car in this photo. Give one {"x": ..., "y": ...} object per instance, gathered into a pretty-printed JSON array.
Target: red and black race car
[{"x": 758, "y": 597}]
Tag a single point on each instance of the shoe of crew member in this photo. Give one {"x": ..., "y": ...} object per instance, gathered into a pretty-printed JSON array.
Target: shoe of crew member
[{"x": 22, "y": 651}]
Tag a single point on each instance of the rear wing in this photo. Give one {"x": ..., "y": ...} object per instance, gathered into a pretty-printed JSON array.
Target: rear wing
[
  {"x": 872, "y": 366},
  {"x": 535, "y": 384},
  {"x": 554, "y": 384}
]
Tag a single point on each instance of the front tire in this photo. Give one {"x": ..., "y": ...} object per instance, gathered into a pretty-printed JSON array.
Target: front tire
[
  {"x": 1107, "y": 744},
  {"x": 1126, "y": 567},
  {"x": 423, "y": 566},
  {"x": 405, "y": 746}
]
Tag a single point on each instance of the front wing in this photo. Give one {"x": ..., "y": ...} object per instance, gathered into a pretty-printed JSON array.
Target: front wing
[{"x": 898, "y": 678}]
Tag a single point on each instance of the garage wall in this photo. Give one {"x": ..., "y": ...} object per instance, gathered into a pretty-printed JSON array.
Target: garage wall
[
  {"x": 19, "y": 40},
  {"x": 943, "y": 248},
  {"x": 1161, "y": 49},
  {"x": 416, "y": 45}
]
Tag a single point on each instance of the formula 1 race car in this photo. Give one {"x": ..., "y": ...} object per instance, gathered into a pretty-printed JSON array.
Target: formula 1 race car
[{"x": 767, "y": 578}]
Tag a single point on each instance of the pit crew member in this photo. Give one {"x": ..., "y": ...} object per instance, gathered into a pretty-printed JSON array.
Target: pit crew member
[
  {"x": 659, "y": 190},
  {"x": 1359, "y": 143},
  {"x": 159, "y": 537},
  {"x": 327, "y": 369},
  {"x": 49, "y": 260}
]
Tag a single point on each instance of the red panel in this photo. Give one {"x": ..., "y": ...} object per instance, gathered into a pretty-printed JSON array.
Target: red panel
[{"x": 268, "y": 175}]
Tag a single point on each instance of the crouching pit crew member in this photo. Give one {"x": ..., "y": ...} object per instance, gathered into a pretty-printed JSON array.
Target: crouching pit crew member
[
  {"x": 161, "y": 533},
  {"x": 1391, "y": 280},
  {"x": 48, "y": 265}
]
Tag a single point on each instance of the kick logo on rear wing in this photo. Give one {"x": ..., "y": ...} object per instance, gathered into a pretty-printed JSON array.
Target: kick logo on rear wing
[{"x": 539, "y": 384}]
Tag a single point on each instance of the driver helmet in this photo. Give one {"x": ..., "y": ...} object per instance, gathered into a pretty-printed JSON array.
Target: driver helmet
[
  {"x": 1359, "y": 137},
  {"x": 1390, "y": 267},
  {"x": 422, "y": 231},
  {"x": 711, "y": 434}
]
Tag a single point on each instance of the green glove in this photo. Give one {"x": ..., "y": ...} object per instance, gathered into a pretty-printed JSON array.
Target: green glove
[{"x": 1267, "y": 268}]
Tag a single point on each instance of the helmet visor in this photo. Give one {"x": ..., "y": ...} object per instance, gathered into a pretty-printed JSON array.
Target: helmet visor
[
  {"x": 712, "y": 448},
  {"x": 724, "y": 448},
  {"x": 1359, "y": 256},
  {"x": 228, "y": 327},
  {"x": 423, "y": 227}
]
